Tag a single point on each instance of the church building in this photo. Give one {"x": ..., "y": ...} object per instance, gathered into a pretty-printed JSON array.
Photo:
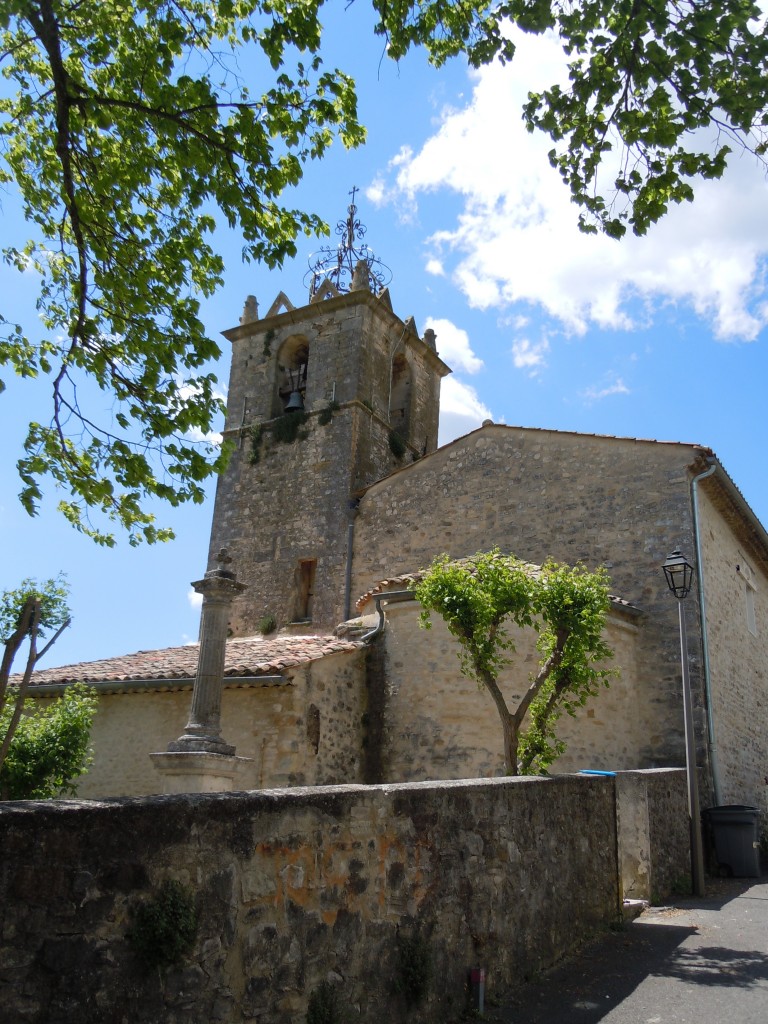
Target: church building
[{"x": 336, "y": 496}]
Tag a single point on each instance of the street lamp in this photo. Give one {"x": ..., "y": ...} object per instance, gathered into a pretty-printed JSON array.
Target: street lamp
[{"x": 679, "y": 576}]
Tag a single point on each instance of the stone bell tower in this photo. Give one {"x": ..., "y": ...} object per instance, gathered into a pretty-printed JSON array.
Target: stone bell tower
[{"x": 324, "y": 399}]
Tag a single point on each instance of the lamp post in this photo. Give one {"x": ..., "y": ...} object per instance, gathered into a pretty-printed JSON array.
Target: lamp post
[{"x": 679, "y": 576}]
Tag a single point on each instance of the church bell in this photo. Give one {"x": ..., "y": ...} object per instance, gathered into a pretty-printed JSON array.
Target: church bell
[{"x": 295, "y": 402}]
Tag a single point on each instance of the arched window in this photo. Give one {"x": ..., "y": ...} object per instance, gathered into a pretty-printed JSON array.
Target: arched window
[
  {"x": 292, "y": 363},
  {"x": 400, "y": 396}
]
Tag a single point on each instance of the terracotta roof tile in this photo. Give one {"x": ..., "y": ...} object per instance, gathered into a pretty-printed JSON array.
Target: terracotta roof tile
[
  {"x": 246, "y": 656},
  {"x": 406, "y": 580}
]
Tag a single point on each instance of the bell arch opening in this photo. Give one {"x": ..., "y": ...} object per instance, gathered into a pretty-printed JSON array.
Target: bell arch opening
[
  {"x": 401, "y": 385},
  {"x": 291, "y": 376}
]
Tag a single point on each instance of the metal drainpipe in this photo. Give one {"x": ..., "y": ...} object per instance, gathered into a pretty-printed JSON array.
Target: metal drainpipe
[
  {"x": 352, "y": 506},
  {"x": 704, "y": 639},
  {"x": 393, "y": 596}
]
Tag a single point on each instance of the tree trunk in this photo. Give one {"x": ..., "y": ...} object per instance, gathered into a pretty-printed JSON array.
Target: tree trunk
[
  {"x": 28, "y": 625},
  {"x": 509, "y": 725}
]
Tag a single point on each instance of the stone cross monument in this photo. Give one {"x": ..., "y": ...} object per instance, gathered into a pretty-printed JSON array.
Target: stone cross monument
[{"x": 200, "y": 760}]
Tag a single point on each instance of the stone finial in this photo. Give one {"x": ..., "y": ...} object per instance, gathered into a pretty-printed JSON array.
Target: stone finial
[
  {"x": 250, "y": 310},
  {"x": 326, "y": 290},
  {"x": 430, "y": 338},
  {"x": 410, "y": 325},
  {"x": 361, "y": 277}
]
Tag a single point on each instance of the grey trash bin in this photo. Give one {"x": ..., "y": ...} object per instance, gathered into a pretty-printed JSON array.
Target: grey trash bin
[{"x": 734, "y": 829}]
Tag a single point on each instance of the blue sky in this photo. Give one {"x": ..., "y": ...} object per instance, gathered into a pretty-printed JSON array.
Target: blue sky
[{"x": 662, "y": 337}]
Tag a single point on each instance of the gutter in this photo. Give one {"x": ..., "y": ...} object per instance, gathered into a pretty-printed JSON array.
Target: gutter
[
  {"x": 103, "y": 686},
  {"x": 352, "y": 511},
  {"x": 396, "y": 597}
]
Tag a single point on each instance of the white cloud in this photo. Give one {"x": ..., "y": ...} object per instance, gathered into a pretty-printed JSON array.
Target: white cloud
[
  {"x": 214, "y": 437},
  {"x": 529, "y": 355},
  {"x": 195, "y": 599},
  {"x": 376, "y": 192},
  {"x": 516, "y": 238},
  {"x": 211, "y": 437},
  {"x": 616, "y": 387},
  {"x": 435, "y": 267},
  {"x": 460, "y": 410},
  {"x": 454, "y": 347}
]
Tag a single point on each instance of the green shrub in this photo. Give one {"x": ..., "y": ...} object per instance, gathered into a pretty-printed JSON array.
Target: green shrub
[
  {"x": 286, "y": 428},
  {"x": 324, "y": 1007},
  {"x": 269, "y": 337},
  {"x": 414, "y": 968},
  {"x": 267, "y": 625},
  {"x": 326, "y": 414},
  {"x": 49, "y": 749},
  {"x": 256, "y": 434},
  {"x": 396, "y": 444},
  {"x": 164, "y": 927}
]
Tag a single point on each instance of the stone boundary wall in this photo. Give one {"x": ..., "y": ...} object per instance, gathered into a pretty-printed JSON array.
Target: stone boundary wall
[
  {"x": 653, "y": 833},
  {"x": 300, "y": 887}
]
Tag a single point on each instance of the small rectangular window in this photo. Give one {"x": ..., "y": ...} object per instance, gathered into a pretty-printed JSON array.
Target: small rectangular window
[{"x": 749, "y": 591}]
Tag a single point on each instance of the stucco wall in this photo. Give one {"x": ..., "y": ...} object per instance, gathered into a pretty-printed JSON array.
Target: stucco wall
[
  {"x": 738, "y": 671},
  {"x": 307, "y": 730},
  {"x": 295, "y": 886},
  {"x": 438, "y": 724}
]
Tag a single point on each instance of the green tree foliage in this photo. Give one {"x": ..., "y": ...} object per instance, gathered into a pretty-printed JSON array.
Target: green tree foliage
[
  {"x": 127, "y": 129},
  {"x": 49, "y": 749},
  {"x": 657, "y": 95},
  {"x": 125, "y": 126},
  {"x": 480, "y": 596},
  {"x": 27, "y": 614}
]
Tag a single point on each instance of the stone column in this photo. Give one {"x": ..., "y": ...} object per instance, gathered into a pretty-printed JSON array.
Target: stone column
[{"x": 200, "y": 760}]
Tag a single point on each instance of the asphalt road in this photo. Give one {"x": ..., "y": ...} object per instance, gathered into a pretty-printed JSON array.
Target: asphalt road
[{"x": 699, "y": 961}]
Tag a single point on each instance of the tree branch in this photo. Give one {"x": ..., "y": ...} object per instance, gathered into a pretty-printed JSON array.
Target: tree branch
[
  {"x": 13, "y": 643},
  {"x": 546, "y": 670},
  {"x": 32, "y": 628}
]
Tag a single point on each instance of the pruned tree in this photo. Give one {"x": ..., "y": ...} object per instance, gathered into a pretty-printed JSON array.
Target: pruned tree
[
  {"x": 27, "y": 614},
  {"x": 43, "y": 749},
  {"x": 479, "y": 597}
]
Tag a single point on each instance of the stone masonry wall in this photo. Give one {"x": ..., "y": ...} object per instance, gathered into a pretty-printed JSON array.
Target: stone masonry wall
[
  {"x": 295, "y": 887},
  {"x": 620, "y": 503},
  {"x": 738, "y": 671},
  {"x": 292, "y": 505},
  {"x": 653, "y": 861},
  {"x": 439, "y": 725}
]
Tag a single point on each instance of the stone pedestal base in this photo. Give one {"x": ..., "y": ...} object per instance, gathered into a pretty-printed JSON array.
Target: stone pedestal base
[{"x": 194, "y": 771}]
